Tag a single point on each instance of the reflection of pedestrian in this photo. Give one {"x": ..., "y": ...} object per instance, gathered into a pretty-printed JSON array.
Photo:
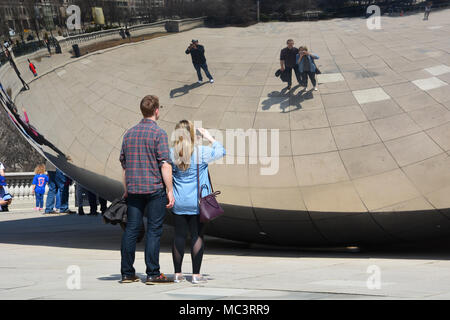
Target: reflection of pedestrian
[
  {"x": 306, "y": 66},
  {"x": 32, "y": 68},
  {"x": 197, "y": 52},
  {"x": 47, "y": 43},
  {"x": 288, "y": 62},
  {"x": 427, "y": 10}
]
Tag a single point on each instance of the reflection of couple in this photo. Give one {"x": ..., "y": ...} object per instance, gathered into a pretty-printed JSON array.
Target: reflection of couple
[
  {"x": 301, "y": 61},
  {"x": 156, "y": 179}
]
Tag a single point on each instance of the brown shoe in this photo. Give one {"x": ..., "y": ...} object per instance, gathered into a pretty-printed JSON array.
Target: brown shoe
[
  {"x": 158, "y": 279},
  {"x": 130, "y": 279}
]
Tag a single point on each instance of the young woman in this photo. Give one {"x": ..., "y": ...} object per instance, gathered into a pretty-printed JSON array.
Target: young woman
[
  {"x": 306, "y": 66},
  {"x": 184, "y": 155}
]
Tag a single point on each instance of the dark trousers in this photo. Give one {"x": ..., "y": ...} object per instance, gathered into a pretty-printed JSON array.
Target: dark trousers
[
  {"x": 93, "y": 203},
  {"x": 298, "y": 75},
  {"x": 311, "y": 75},
  {"x": 203, "y": 66},
  {"x": 184, "y": 223},
  {"x": 154, "y": 207}
]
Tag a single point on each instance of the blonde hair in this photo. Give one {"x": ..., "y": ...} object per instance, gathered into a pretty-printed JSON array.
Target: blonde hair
[
  {"x": 304, "y": 48},
  {"x": 184, "y": 144},
  {"x": 40, "y": 169}
]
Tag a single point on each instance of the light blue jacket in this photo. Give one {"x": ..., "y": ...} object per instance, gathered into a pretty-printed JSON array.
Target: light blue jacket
[
  {"x": 311, "y": 57},
  {"x": 185, "y": 182}
]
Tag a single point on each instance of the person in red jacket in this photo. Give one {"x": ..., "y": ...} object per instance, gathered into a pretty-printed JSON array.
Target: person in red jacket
[{"x": 32, "y": 68}]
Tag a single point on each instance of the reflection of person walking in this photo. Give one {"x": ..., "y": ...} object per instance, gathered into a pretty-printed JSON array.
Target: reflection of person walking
[
  {"x": 306, "y": 66},
  {"x": 197, "y": 52},
  {"x": 427, "y": 10},
  {"x": 47, "y": 43},
  {"x": 287, "y": 62},
  {"x": 32, "y": 68}
]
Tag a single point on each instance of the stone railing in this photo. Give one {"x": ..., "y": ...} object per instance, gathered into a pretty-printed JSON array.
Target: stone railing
[
  {"x": 19, "y": 186},
  {"x": 149, "y": 28}
]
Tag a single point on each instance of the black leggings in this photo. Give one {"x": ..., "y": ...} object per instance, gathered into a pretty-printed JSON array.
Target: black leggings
[
  {"x": 182, "y": 224},
  {"x": 312, "y": 76}
]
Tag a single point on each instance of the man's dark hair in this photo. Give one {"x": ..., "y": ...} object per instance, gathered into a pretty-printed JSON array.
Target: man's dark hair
[{"x": 149, "y": 104}]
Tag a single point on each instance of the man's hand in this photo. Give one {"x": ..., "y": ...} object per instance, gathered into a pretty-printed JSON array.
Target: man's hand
[
  {"x": 171, "y": 199},
  {"x": 125, "y": 195}
]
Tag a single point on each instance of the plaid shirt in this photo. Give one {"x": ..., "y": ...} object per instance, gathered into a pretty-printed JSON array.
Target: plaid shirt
[{"x": 144, "y": 149}]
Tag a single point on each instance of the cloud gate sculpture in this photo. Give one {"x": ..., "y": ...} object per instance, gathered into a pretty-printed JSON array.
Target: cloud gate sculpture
[{"x": 364, "y": 160}]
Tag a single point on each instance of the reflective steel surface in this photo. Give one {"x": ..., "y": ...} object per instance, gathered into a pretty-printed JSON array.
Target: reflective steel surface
[{"x": 363, "y": 160}]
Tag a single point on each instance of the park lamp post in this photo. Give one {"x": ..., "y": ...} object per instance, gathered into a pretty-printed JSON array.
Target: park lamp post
[{"x": 257, "y": 10}]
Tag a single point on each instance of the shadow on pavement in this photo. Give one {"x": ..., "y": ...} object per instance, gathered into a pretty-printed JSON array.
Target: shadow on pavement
[{"x": 89, "y": 232}]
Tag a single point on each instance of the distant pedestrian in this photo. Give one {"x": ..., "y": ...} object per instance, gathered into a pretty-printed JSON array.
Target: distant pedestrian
[
  {"x": 92, "y": 197},
  {"x": 427, "y": 10},
  {"x": 5, "y": 197},
  {"x": 55, "y": 186},
  {"x": 306, "y": 66},
  {"x": 40, "y": 180},
  {"x": 47, "y": 43},
  {"x": 197, "y": 52},
  {"x": 288, "y": 62},
  {"x": 32, "y": 68},
  {"x": 2, "y": 170}
]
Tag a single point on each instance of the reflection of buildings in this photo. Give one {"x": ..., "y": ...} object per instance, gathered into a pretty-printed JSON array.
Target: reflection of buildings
[{"x": 20, "y": 15}]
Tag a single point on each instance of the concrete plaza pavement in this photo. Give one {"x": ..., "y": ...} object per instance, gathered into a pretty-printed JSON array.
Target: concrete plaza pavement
[{"x": 37, "y": 250}]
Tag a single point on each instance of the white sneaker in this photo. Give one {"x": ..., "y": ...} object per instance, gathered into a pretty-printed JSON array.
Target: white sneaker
[
  {"x": 316, "y": 89},
  {"x": 199, "y": 82},
  {"x": 211, "y": 81},
  {"x": 198, "y": 279}
]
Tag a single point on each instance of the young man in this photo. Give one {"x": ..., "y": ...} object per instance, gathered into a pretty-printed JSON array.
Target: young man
[
  {"x": 197, "y": 53},
  {"x": 427, "y": 10},
  {"x": 147, "y": 175},
  {"x": 287, "y": 62}
]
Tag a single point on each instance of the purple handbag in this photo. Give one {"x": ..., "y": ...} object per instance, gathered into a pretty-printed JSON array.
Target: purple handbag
[{"x": 208, "y": 206}]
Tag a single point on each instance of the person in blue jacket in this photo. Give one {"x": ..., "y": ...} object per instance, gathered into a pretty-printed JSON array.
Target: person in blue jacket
[
  {"x": 306, "y": 66},
  {"x": 184, "y": 155}
]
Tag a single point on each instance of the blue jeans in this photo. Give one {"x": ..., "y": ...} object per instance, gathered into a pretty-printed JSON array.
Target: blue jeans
[
  {"x": 56, "y": 181},
  {"x": 203, "y": 66},
  {"x": 39, "y": 200},
  {"x": 154, "y": 205}
]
